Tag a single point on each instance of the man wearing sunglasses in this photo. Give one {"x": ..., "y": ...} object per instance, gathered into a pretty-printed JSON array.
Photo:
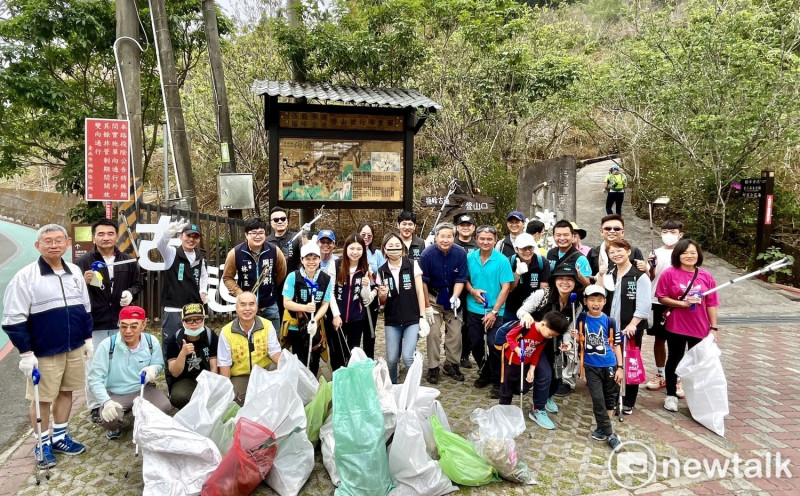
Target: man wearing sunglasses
[
  {"x": 612, "y": 227},
  {"x": 281, "y": 236},
  {"x": 191, "y": 351},
  {"x": 256, "y": 259}
]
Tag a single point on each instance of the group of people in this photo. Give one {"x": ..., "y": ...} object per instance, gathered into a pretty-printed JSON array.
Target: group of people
[{"x": 509, "y": 302}]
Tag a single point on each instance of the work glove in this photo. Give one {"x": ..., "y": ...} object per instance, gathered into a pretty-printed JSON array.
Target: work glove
[
  {"x": 176, "y": 226},
  {"x": 424, "y": 328},
  {"x": 150, "y": 373},
  {"x": 110, "y": 411},
  {"x": 306, "y": 228},
  {"x": 88, "y": 349},
  {"x": 526, "y": 320},
  {"x": 366, "y": 295},
  {"x": 429, "y": 313},
  {"x": 522, "y": 268},
  {"x": 311, "y": 328},
  {"x": 28, "y": 362},
  {"x": 455, "y": 303},
  {"x": 126, "y": 299}
]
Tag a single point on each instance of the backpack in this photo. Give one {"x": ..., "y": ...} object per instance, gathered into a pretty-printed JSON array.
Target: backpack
[
  {"x": 539, "y": 259},
  {"x": 147, "y": 337},
  {"x": 502, "y": 332}
]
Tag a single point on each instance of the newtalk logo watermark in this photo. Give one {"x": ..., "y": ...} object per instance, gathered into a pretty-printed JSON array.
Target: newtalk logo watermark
[{"x": 633, "y": 465}]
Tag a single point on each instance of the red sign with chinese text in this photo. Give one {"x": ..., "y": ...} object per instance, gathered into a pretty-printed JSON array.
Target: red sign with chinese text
[
  {"x": 768, "y": 216},
  {"x": 107, "y": 172}
]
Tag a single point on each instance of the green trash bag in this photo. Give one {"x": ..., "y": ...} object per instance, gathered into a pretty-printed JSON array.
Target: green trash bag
[
  {"x": 318, "y": 409},
  {"x": 360, "y": 453},
  {"x": 459, "y": 460}
]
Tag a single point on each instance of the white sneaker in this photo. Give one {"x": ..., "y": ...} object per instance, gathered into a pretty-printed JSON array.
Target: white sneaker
[{"x": 671, "y": 403}]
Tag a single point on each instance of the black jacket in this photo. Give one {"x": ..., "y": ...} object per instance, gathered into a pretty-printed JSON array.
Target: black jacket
[{"x": 105, "y": 301}]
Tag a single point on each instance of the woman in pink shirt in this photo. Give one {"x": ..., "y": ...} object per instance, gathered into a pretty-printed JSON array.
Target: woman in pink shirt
[{"x": 691, "y": 317}]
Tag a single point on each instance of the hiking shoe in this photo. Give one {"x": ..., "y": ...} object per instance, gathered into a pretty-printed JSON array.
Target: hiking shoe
[
  {"x": 466, "y": 363},
  {"x": 433, "y": 376},
  {"x": 67, "y": 446},
  {"x": 114, "y": 434},
  {"x": 671, "y": 403},
  {"x": 627, "y": 410},
  {"x": 679, "y": 390},
  {"x": 599, "y": 435},
  {"x": 451, "y": 369},
  {"x": 495, "y": 392},
  {"x": 47, "y": 459},
  {"x": 551, "y": 406},
  {"x": 656, "y": 383},
  {"x": 480, "y": 382},
  {"x": 541, "y": 418},
  {"x": 563, "y": 390},
  {"x": 613, "y": 441},
  {"x": 96, "y": 415}
]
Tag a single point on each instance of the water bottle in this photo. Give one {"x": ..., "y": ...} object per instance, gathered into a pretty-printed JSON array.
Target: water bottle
[{"x": 691, "y": 307}]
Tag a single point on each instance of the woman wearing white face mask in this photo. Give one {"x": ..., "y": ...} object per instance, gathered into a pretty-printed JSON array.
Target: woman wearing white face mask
[
  {"x": 399, "y": 283},
  {"x": 671, "y": 233},
  {"x": 192, "y": 350}
]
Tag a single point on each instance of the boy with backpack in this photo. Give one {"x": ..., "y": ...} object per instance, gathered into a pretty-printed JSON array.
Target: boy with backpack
[
  {"x": 523, "y": 355},
  {"x": 600, "y": 358}
]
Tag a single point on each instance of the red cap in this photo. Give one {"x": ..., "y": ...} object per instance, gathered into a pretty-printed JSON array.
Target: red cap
[{"x": 131, "y": 312}]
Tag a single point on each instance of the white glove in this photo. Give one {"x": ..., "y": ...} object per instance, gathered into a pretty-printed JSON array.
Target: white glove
[
  {"x": 526, "y": 320},
  {"x": 150, "y": 373},
  {"x": 126, "y": 299},
  {"x": 424, "y": 328},
  {"x": 110, "y": 411},
  {"x": 176, "y": 226},
  {"x": 306, "y": 228},
  {"x": 311, "y": 328},
  {"x": 88, "y": 349},
  {"x": 522, "y": 268},
  {"x": 27, "y": 363},
  {"x": 366, "y": 295},
  {"x": 455, "y": 303},
  {"x": 429, "y": 313}
]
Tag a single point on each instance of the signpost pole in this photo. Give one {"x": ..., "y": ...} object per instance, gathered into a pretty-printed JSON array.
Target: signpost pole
[{"x": 765, "y": 210}]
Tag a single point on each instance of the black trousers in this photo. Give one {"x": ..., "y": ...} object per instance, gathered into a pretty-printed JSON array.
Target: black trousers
[
  {"x": 677, "y": 344},
  {"x": 604, "y": 392},
  {"x": 357, "y": 330},
  {"x": 480, "y": 338},
  {"x": 299, "y": 341},
  {"x": 338, "y": 350},
  {"x": 615, "y": 197}
]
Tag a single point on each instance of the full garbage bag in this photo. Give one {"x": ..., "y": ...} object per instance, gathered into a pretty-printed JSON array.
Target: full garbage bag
[
  {"x": 318, "y": 410},
  {"x": 327, "y": 446},
  {"x": 222, "y": 432},
  {"x": 458, "y": 458},
  {"x": 358, "y": 429},
  {"x": 296, "y": 373},
  {"x": 175, "y": 460},
  {"x": 210, "y": 399},
  {"x": 705, "y": 385},
  {"x": 426, "y": 405},
  {"x": 493, "y": 440},
  {"x": 414, "y": 471},
  {"x": 246, "y": 464}
]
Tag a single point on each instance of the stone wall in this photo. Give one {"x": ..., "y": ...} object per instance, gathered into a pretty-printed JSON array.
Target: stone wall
[
  {"x": 36, "y": 207},
  {"x": 539, "y": 184}
]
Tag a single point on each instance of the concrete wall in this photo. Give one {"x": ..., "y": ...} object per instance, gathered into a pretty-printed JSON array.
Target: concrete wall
[
  {"x": 559, "y": 174},
  {"x": 36, "y": 207}
]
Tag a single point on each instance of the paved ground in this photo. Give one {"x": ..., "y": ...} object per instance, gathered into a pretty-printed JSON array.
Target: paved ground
[{"x": 763, "y": 396}]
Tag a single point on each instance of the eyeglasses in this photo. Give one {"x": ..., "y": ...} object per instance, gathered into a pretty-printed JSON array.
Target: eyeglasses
[
  {"x": 53, "y": 242},
  {"x": 366, "y": 235},
  {"x": 278, "y": 219},
  {"x": 615, "y": 229},
  {"x": 197, "y": 320},
  {"x": 257, "y": 234},
  {"x": 125, "y": 327}
]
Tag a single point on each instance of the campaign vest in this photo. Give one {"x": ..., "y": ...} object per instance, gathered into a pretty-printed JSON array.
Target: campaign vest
[
  {"x": 182, "y": 281},
  {"x": 627, "y": 307},
  {"x": 402, "y": 305},
  {"x": 248, "y": 353},
  {"x": 528, "y": 283},
  {"x": 416, "y": 247},
  {"x": 248, "y": 269},
  {"x": 302, "y": 293},
  {"x": 348, "y": 296},
  {"x": 569, "y": 258}
]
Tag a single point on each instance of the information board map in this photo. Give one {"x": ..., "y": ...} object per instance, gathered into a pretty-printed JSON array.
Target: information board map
[{"x": 333, "y": 170}]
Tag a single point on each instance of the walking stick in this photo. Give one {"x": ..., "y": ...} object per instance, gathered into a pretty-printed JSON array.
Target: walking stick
[
  {"x": 141, "y": 395},
  {"x": 35, "y": 378}
]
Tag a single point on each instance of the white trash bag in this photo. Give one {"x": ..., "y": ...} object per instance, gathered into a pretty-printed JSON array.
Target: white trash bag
[
  {"x": 494, "y": 441},
  {"x": 383, "y": 383},
  {"x": 210, "y": 399},
  {"x": 296, "y": 373},
  {"x": 705, "y": 385},
  {"x": 414, "y": 471},
  {"x": 175, "y": 460},
  {"x": 328, "y": 446}
]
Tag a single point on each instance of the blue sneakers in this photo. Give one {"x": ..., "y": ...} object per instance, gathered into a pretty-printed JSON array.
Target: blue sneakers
[
  {"x": 541, "y": 418},
  {"x": 599, "y": 435},
  {"x": 67, "y": 446},
  {"x": 551, "y": 406},
  {"x": 114, "y": 434},
  {"x": 47, "y": 459}
]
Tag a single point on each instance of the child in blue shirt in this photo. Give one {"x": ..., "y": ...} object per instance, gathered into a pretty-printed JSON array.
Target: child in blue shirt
[{"x": 600, "y": 359}]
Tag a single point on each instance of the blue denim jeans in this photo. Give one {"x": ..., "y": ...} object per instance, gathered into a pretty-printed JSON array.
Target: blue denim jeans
[
  {"x": 395, "y": 337},
  {"x": 271, "y": 313}
]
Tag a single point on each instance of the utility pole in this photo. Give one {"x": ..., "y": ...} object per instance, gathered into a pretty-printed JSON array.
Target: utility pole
[
  {"x": 224, "y": 132},
  {"x": 298, "y": 75},
  {"x": 172, "y": 103},
  {"x": 130, "y": 78}
]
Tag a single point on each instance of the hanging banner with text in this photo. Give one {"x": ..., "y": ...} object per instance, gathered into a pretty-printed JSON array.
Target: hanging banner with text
[{"x": 107, "y": 173}]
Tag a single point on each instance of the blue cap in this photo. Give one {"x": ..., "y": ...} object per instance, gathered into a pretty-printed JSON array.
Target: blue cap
[
  {"x": 516, "y": 214},
  {"x": 615, "y": 166},
  {"x": 326, "y": 233}
]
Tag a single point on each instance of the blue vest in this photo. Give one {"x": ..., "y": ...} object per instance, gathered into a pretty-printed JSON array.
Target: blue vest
[
  {"x": 248, "y": 269},
  {"x": 402, "y": 306},
  {"x": 348, "y": 298}
]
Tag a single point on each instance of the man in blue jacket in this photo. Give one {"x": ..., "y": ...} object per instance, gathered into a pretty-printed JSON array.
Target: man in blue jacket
[{"x": 46, "y": 316}]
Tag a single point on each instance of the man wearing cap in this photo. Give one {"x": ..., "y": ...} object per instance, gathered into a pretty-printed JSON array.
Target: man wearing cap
[
  {"x": 566, "y": 254},
  {"x": 516, "y": 224},
  {"x": 531, "y": 272},
  {"x": 46, "y": 317},
  {"x": 191, "y": 351},
  {"x": 578, "y": 235},
  {"x": 247, "y": 341},
  {"x": 444, "y": 272},
  {"x": 117, "y": 368},
  {"x": 615, "y": 182},
  {"x": 326, "y": 240},
  {"x": 612, "y": 227},
  {"x": 185, "y": 275},
  {"x": 257, "y": 260},
  {"x": 406, "y": 226},
  {"x": 115, "y": 284},
  {"x": 465, "y": 225}
]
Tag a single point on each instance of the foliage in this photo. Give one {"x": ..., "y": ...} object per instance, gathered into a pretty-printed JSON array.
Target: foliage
[{"x": 772, "y": 255}]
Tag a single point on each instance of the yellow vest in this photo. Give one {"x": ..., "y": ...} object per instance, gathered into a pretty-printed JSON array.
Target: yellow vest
[{"x": 243, "y": 359}]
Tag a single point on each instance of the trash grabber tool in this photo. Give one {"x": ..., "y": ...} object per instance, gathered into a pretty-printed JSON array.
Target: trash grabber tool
[
  {"x": 141, "y": 396},
  {"x": 521, "y": 372},
  {"x": 573, "y": 297},
  {"x": 451, "y": 190},
  {"x": 310, "y": 337},
  {"x": 773, "y": 266},
  {"x": 35, "y": 378},
  {"x": 300, "y": 232},
  {"x": 486, "y": 338}
]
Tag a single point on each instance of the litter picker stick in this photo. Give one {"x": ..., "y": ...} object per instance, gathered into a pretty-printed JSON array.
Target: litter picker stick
[
  {"x": 142, "y": 378},
  {"x": 573, "y": 297},
  {"x": 521, "y": 371},
  {"x": 310, "y": 337},
  {"x": 624, "y": 378},
  {"x": 486, "y": 338},
  {"x": 35, "y": 378},
  {"x": 773, "y": 266},
  {"x": 300, "y": 232},
  {"x": 451, "y": 190}
]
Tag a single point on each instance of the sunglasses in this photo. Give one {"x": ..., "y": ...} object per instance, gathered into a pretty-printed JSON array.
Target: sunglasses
[
  {"x": 278, "y": 219},
  {"x": 615, "y": 229}
]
